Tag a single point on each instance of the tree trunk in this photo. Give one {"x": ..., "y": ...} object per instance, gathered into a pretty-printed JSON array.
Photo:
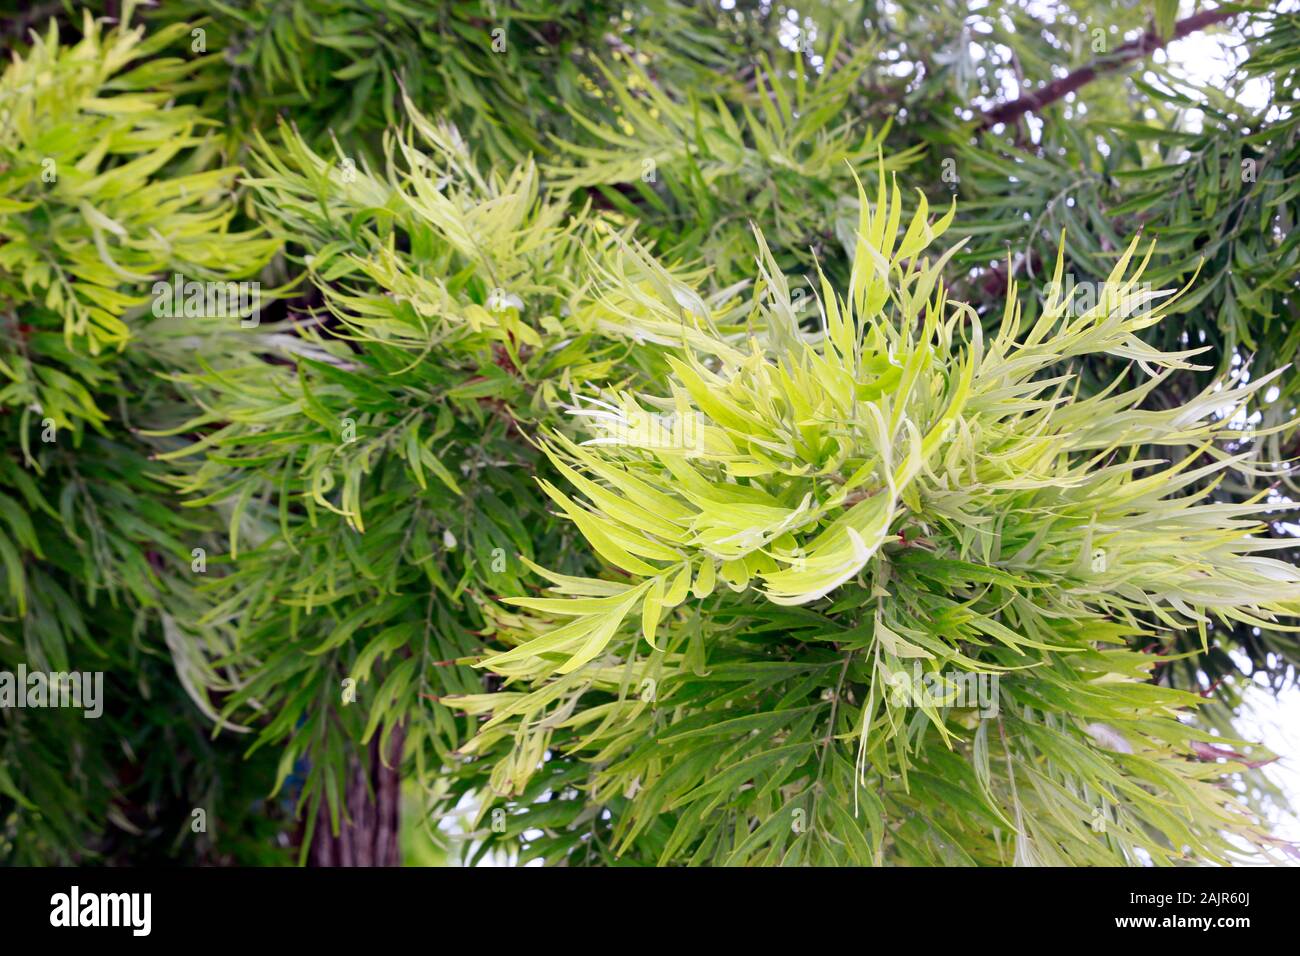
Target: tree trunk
[{"x": 368, "y": 835}]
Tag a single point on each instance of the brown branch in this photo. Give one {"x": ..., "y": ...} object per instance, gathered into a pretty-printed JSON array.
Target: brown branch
[
  {"x": 368, "y": 836},
  {"x": 1144, "y": 45}
]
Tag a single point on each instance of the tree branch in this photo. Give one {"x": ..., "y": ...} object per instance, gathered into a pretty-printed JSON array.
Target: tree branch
[{"x": 1144, "y": 45}]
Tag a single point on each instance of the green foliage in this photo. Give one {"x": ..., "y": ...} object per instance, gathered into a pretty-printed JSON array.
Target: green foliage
[
  {"x": 103, "y": 189},
  {"x": 780, "y": 154},
  {"x": 503, "y": 70},
  {"x": 1213, "y": 179},
  {"x": 602, "y": 442},
  {"x": 371, "y": 491},
  {"x": 895, "y": 493}
]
